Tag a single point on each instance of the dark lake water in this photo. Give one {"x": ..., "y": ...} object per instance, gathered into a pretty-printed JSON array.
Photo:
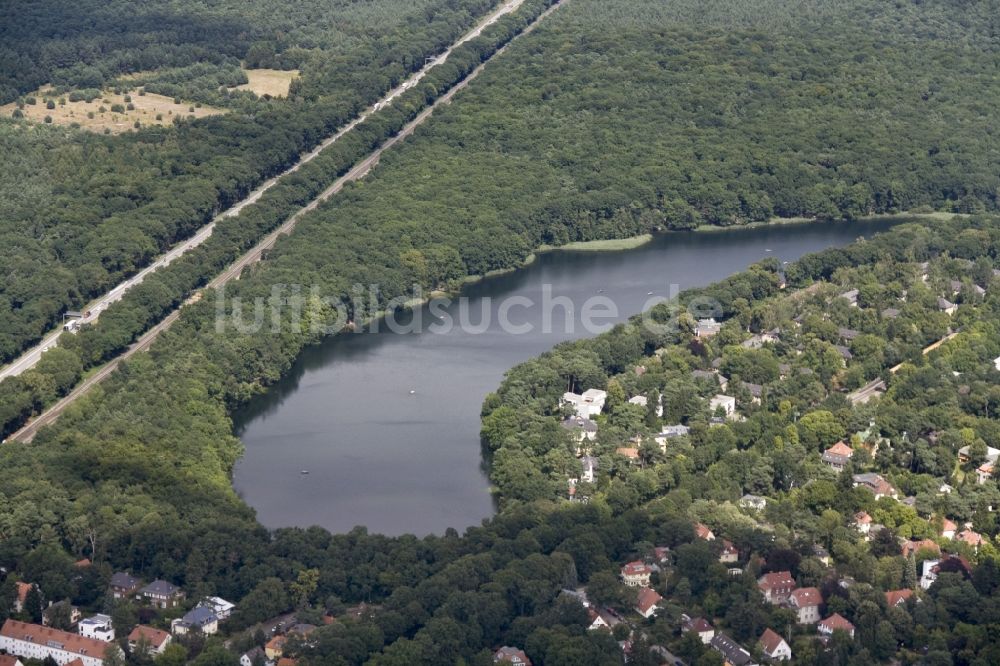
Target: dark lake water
[{"x": 400, "y": 462}]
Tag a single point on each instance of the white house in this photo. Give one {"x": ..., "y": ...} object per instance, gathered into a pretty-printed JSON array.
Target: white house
[
  {"x": 726, "y": 402},
  {"x": 647, "y": 602},
  {"x": 805, "y": 601},
  {"x": 774, "y": 647},
  {"x": 589, "y": 465},
  {"x": 98, "y": 626},
  {"x": 700, "y": 626},
  {"x": 222, "y": 608},
  {"x": 250, "y": 656},
  {"x": 33, "y": 641},
  {"x": 581, "y": 428},
  {"x": 636, "y": 574},
  {"x": 589, "y": 403}
]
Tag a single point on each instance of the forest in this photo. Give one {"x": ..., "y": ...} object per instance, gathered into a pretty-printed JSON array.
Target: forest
[
  {"x": 580, "y": 136},
  {"x": 79, "y": 212}
]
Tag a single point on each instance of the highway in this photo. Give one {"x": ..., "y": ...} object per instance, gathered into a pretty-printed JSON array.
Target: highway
[
  {"x": 359, "y": 171},
  {"x": 30, "y": 357}
]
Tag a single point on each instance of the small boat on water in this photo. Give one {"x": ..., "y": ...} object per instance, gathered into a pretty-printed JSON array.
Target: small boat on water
[
  {"x": 649, "y": 293},
  {"x": 304, "y": 472},
  {"x": 413, "y": 392}
]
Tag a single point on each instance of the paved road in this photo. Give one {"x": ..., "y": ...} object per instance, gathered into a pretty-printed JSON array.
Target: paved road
[
  {"x": 29, "y": 358},
  {"x": 28, "y": 432}
]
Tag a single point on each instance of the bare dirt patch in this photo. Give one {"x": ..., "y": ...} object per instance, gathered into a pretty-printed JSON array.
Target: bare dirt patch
[
  {"x": 273, "y": 82},
  {"x": 110, "y": 112}
]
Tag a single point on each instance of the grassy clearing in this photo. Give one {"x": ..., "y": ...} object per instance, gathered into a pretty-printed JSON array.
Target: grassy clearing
[
  {"x": 609, "y": 245},
  {"x": 110, "y": 113},
  {"x": 273, "y": 82}
]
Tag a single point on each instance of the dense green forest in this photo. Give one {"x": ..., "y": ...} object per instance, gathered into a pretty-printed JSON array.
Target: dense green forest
[{"x": 79, "y": 211}]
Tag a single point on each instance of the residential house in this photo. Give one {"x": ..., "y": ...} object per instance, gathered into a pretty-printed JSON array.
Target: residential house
[
  {"x": 895, "y": 598},
  {"x": 732, "y": 652},
  {"x": 847, "y": 334},
  {"x": 946, "y": 306},
  {"x": 835, "y": 622},
  {"x": 851, "y": 297},
  {"x": 589, "y": 465},
  {"x": 700, "y": 626},
  {"x": 162, "y": 594},
  {"x": 974, "y": 539},
  {"x": 776, "y": 586},
  {"x": 640, "y": 400},
  {"x": 724, "y": 402},
  {"x": 948, "y": 528},
  {"x": 712, "y": 376},
  {"x": 706, "y": 328},
  {"x": 844, "y": 352},
  {"x": 877, "y": 484},
  {"x": 155, "y": 640},
  {"x": 581, "y": 428},
  {"x": 511, "y": 655},
  {"x": 10, "y": 660},
  {"x": 636, "y": 574},
  {"x": 589, "y": 403},
  {"x": 98, "y": 627},
  {"x": 275, "y": 647},
  {"x": 661, "y": 554},
  {"x": 601, "y": 619},
  {"x": 821, "y": 554},
  {"x": 22, "y": 595},
  {"x": 222, "y": 608},
  {"x": 965, "y": 455},
  {"x": 756, "y": 391},
  {"x": 647, "y": 603},
  {"x": 805, "y": 601},
  {"x": 729, "y": 553},
  {"x": 984, "y": 473},
  {"x": 198, "y": 619},
  {"x": 33, "y": 641},
  {"x": 630, "y": 452},
  {"x": 931, "y": 569},
  {"x": 753, "y": 502},
  {"x": 862, "y": 522},
  {"x": 911, "y": 546},
  {"x": 124, "y": 585},
  {"x": 702, "y": 532},
  {"x": 670, "y": 432},
  {"x": 774, "y": 647},
  {"x": 837, "y": 456},
  {"x": 53, "y": 609},
  {"x": 254, "y": 655}
]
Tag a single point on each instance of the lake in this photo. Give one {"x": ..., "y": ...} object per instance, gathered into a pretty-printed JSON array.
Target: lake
[{"x": 387, "y": 423}]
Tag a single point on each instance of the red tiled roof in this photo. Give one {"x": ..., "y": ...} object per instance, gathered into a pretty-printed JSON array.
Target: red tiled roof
[
  {"x": 776, "y": 579},
  {"x": 837, "y": 621},
  {"x": 770, "y": 642},
  {"x": 155, "y": 637},
  {"x": 699, "y": 625},
  {"x": 647, "y": 599},
  {"x": 702, "y": 532},
  {"x": 895, "y": 597},
  {"x": 628, "y": 451},
  {"x": 840, "y": 449},
  {"x": 636, "y": 568},
  {"x": 806, "y": 596},
  {"x": 972, "y": 538},
  {"x": 22, "y": 590},
  {"x": 39, "y": 635},
  {"x": 912, "y": 546},
  {"x": 9, "y": 660},
  {"x": 862, "y": 518}
]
